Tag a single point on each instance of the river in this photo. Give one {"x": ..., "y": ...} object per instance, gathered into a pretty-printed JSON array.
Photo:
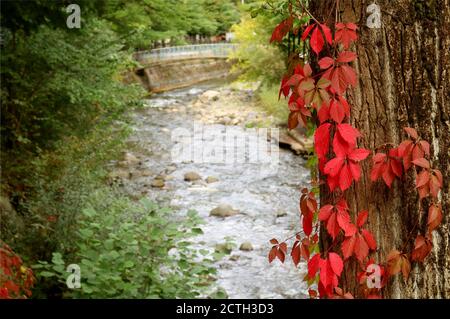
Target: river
[{"x": 266, "y": 197}]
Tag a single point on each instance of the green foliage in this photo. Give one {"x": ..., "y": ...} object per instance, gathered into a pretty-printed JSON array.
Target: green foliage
[
  {"x": 267, "y": 97},
  {"x": 257, "y": 60},
  {"x": 132, "y": 250},
  {"x": 56, "y": 83}
]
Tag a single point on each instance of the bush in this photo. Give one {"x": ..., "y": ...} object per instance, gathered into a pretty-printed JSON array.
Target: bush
[
  {"x": 131, "y": 250},
  {"x": 267, "y": 97},
  {"x": 257, "y": 60}
]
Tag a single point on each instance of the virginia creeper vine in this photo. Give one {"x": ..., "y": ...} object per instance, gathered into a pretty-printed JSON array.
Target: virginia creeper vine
[{"x": 316, "y": 93}]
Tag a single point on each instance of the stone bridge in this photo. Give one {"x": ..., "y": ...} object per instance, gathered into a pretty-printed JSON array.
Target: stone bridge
[{"x": 174, "y": 67}]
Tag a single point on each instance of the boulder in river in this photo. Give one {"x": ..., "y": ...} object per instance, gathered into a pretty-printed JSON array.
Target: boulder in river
[
  {"x": 209, "y": 95},
  {"x": 129, "y": 160},
  {"x": 246, "y": 246},
  {"x": 223, "y": 210},
  {"x": 211, "y": 179},
  {"x": 191, "y": 176},
  {"x": 158, "y": 183}
]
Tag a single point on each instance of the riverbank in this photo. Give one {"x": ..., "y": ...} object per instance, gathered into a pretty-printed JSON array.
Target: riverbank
[{"x": 243, "y": 204}]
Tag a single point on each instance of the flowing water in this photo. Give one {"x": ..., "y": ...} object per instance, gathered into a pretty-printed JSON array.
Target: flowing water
[{"x": 267, "y": 198}]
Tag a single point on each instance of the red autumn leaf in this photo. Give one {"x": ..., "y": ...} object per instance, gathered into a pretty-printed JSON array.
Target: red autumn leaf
[
  {"x": 333, "y": 166},
  {"x": 336, "y": 218},
  {"x": 386, "y": 167},
  {"x": 406, "y": 267},
  {"x": 317, "y": 41},
  {"x": 307, "y": 31},
  {"x": 359, "y": 243},
  {"x": 322, "y": 140},
  {"x": 336, "y": 263},
  {"x": 361, "y": 249},
  {"x": 435, "y": 183},
  {"x": 348, "y": 246},
  {"x": 358, "y": 154},
  {"x": 326, "y": 62},
  {"x": 362, "y": 218},
  {"x": 341, "y": 76},
  {"x": 422, "y": 178},
  {"x": 421, "y": 162},
  {"x": 277, "y": 251},
  {"x": 411, "y": 132},
  {"x": 343, "y": 169},
  {"x": 345, "y": 34},
  {"x": 346, "y": 56},
  {"x": 348, "y": 133},
  {"x": 394, "y": 262},
  {"x": 296, "y": 252},
  {"x": 422, "y": 248},
  {"x": 283, "y": 87},
  {"x": 369, "y": 239},
  {"x": 281, "y": 30},
  {"x": 345, "y": 178},
  {"x": 272, "y": 254},
  {"x": 319, "y": 35},
  {"x": 405, "y": 152},
  {"x": 305, "y": 247},
  {"x": 434, "y": 217},
  {"x": 313, "y": 265}
]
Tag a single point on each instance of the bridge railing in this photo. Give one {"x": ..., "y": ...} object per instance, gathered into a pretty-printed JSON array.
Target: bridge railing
[{"x": 221, "y": 50}]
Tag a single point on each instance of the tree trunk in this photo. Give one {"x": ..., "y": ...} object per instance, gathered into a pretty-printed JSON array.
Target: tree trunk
[{"x": 403, "y": 70}]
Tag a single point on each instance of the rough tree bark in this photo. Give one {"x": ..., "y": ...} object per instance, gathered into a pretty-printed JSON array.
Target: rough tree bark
[{"x": 403, "y": 70}]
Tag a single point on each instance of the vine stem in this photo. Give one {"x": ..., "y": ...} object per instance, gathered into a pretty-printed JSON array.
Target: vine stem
[{"x": 307, "y": 11}]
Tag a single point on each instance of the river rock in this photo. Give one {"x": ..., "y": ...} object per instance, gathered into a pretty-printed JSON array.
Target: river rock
[
  {"x": 209, "y": 95},
  {"x": 246, "y": 246},
  {"x": 119, "y": 173},
  {"x": 223, "y": 210},
  {"x": 146, "y": 172},
  {"x": 157, "y": 183},
  {"x": 281, "y": 213},
  {"x": 170, "y": 169},
  {"x": 191, "y": 176},
  {"x": 225, "y": 120},
  {"x": 224, "y": 248},
  {"x": 211, "y": 179},
  {"x": 130, "y": 159}
]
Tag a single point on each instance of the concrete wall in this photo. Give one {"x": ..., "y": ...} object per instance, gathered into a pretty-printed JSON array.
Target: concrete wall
[{"x": 167, "y": 75}]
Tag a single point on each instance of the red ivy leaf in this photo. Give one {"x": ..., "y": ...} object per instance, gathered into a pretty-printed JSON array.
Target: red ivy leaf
[
  {"x": 411, "y": 132},
  {"x": 336, "y": 263},
  {"x": 362, "y": 217},
  {"x": 421, "y": 162},
  {"x": 345, "y": 34},
  {"x": 322, "y": 140},
  {"x": 319, "y": 35},
  {"x": 346, "y": 56},
  {"x": 422, "y": 248},
  {"x": 281, "y": 30},
  {"x": 326, "y": 62},
  {"x": 434, "y": 216},
  {"x": 313, "y": 265}
]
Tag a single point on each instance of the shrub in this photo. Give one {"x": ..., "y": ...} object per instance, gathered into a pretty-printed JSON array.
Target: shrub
[
  {"x": 132, "y": 250},
  {"x": 16, "y": 280}
]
